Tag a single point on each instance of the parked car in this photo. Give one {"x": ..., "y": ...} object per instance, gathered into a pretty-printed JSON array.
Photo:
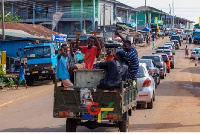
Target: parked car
[
  {"x": 170, "y": 54},
  {"x": 176, "y": 37},
  {"x": 183, "y": 35},
  {"x": 193, "y": 53},
  {"x": 145, "y": 86},
  {"x": 171, "y": 47},
  {"x": 166, "y": 60},
  {"x": 152, "y": 70},
  {"x": 158, "y": 60}
]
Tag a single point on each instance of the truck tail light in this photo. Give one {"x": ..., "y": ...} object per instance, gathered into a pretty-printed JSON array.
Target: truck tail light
[
  {"x": 146, "y": 83},
  {"x": 51, "y": 67},
  {"x": 65, "y": 114}
]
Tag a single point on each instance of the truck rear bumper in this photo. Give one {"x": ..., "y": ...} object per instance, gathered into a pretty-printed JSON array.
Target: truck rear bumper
[{"x": 42, "y": 72}]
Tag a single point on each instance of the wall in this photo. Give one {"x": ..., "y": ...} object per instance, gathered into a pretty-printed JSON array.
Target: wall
[
  {"x": 9, "y": 46},
  {"x": 141, "y": 18}
]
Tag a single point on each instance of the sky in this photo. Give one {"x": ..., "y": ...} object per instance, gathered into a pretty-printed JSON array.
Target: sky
[{"x": 188, "y": 9}]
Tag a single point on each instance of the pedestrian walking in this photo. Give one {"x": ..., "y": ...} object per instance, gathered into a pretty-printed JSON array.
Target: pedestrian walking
[
  {"x": 154, "y": 47},
  {"x": 196, "y": 58},
  {"x": 21, "y": 75},
  {"x": 153, "y": 36},
  {"x": 186, "y": 51},
  {"x": 190, "y": 39}
]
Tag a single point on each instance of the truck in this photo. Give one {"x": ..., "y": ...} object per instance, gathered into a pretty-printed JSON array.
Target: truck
[
  {"x": 41, "y": 61},
  {"x": 196, "y": 36},
  {"x": 98, "y": 108}
]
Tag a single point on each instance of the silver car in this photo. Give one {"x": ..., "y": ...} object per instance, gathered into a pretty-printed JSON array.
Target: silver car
[
  {"x": 146, "y": 87},
  {"x": 172, "y": 47}
]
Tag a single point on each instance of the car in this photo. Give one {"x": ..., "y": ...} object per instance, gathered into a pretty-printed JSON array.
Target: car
[
  {"x": 166, "y": 60},
  {"x": 172, "y": 33},
  {"x": 171, "y": 47},
  {"x": 145, "y": 86},
  {"x": 170, "y": 54},
  {"x": 180, "y": 31},
  {"x": 158, "y": 60},
  {"x": 176, "y": 37},
  {"x": 176, "y": 43},
  {"x": 163, "y": 47},
  {"x": 152, "y": 70},
  {"x": 193, "y": 53},
  {"x": 183, "y": 35}
]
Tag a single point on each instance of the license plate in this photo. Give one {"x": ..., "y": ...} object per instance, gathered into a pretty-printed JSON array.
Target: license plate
[{"x": 35, "y": 72}]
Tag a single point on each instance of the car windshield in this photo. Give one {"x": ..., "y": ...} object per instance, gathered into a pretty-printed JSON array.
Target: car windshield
[
  {"x": 165, "y": 52},
  {"x": 164, "y": 57},
  {"x": 175, "y": 37},
  {"x": 196, "y": 33},
  {"x": 37, "y": 52},
  {"x": 164, "y": 47},
  {"x": 147, "y": 62},
  {"x": 154, "y": 58},
  {"x": 141, "y": 72}
]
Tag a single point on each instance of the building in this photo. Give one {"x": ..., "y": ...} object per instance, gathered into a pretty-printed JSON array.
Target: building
[
  {"x": 77, "y": 14},
  {"x": 146, "y": 17},
  {"x": 178, "y": 22}
]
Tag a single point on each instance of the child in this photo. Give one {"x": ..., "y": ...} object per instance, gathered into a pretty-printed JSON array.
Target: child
[
  {"x": 21, "y": 75},
  {"x": 186, "y": 51}
]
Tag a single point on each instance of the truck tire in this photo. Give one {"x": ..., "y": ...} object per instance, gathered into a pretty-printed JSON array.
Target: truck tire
[
  {"x": 130, "y": 112},
  {"x": 172, "y": 66},
  {"x": 124, "y": 124},
  {"x": 30, "y": 80},
  {"x": 71, "y": 125},
  {"x": 54, "y": 78},
  {"x": 150, "y": 105}
]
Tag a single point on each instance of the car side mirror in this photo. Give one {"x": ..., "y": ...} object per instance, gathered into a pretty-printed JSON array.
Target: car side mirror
[
  {"x": 17, "y": 54},
  {"x": 56, "y": 51}
]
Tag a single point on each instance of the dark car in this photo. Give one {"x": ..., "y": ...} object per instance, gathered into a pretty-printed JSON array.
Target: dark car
[
  {"x": 170, "y": 55},
  {"x": 176, "y": 37},
  {"x": 176, "y": 43},
  {"x": 158, "y": 60},
  {"x": 152, "y": 70}
]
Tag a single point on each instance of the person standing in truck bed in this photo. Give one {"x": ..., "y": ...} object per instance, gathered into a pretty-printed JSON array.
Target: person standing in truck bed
[{"x": 90, "y": 51}]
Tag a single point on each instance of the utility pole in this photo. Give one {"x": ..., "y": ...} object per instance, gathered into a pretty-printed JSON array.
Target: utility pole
[
  {"x": 3, "y": 25},
  {"x": 146, "y": 12},
  {"x": 170, "y": 13},
  {"x": 173, "y": 11},
  {"x": 104, "y": 20}
]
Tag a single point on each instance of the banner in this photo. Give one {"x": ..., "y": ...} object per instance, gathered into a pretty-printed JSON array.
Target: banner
[
  {"x": 56, "y": 18},
  {"x": 157, "y": 24}
]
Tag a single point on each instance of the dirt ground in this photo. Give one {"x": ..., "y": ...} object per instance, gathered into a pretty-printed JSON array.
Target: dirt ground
[{"x": 176, "y": 109}]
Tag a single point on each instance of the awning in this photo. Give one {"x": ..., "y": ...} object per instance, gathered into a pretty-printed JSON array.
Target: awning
[
  {"x": 146, "y": 29},
  {"x": 124, "y": 26}
]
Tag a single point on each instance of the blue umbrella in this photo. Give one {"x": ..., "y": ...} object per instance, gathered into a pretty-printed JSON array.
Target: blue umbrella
[{"x": 146, "y": 29}]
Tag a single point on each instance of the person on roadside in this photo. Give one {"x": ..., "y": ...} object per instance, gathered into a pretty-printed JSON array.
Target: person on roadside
[
  {"x": 21, "y": 75},
  {"x": 153, "y": 37},
  {"x": 187, "y": 38},
  {"x": 115, "y": 71},
  {"x": 147, "y": 39},
  {"x": 131, "y": 56},
  {"x": 186, "y": 51},
  {"x": 90, "y": 51},
  {"x": 190, "y": 39},
  {"x": 62, "y": 67}
]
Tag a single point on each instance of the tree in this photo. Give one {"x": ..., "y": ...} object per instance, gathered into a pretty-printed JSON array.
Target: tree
[{"x": 8, "y": 18}]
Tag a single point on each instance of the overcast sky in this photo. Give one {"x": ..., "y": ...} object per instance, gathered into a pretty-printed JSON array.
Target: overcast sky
[{"x": 188, "y": 9}]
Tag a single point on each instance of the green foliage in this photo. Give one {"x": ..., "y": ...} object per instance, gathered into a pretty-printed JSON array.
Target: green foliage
[{"x": 8, "y": 18}]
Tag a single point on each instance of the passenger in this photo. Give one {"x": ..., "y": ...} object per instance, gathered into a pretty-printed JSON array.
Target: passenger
[
  {"x": 90, "y": 51},
  {"x": 132, "y": 58},
  {"x": 62, "y": 69},
  {"x": 109, "y": 56},
  {"x": 116, "y": 71}
]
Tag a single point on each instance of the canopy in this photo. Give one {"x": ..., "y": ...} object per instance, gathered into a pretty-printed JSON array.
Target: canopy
[{"x": 146, "y": 29}]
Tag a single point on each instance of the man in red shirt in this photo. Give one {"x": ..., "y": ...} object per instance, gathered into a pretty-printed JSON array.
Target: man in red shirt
[{"x": 90, "y": 51}]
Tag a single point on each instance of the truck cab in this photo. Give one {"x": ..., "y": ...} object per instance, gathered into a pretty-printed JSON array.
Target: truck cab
[
  {"x": 196, "y": 36},
  {"x": 41, "y": 61}
]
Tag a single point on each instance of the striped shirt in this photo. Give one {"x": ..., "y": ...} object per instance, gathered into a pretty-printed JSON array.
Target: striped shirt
[{"x": 133, "y": 68}]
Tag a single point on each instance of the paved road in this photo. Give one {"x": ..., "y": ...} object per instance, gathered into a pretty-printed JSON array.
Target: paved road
[{"x": 177, "y": 105}]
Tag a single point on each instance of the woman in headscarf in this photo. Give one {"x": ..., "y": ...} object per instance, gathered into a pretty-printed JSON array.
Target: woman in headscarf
[{"x": 116, "y": 71}]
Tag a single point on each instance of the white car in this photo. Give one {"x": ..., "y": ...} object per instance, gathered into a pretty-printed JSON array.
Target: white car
[
  {"x": 146, "y": 87},
  {"x": 172, "y": 47}
]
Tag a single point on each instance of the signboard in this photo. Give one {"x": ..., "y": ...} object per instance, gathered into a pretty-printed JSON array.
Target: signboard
[
  {"x": 160, "y": 22},
  {"x": 56, "y": 18},
  {"x": 59, "y": 38}
]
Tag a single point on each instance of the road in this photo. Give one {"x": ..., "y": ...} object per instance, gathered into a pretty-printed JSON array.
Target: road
[{"x": 176, "y": 109}]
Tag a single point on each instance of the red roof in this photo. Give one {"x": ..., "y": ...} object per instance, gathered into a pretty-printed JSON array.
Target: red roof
[{"x": 32, "y": 29}]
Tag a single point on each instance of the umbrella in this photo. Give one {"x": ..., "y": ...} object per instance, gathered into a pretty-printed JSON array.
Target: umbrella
[{"x": 146, "y": 29}]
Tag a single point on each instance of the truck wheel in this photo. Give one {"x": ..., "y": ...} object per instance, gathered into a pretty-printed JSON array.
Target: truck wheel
[
  {"x": 54, "y": 78},
  {"x": 124, "y": 124},
  {"x": 168, "y": 70},
  {"x": 154, "y": 97},
  {"x": 71, "y": 125},
  {"x": 172, "y": 66},
  {"x": 130, "y": 112},
  {"x": 150, "y": 105},
  {"x": 30, "y": 80}
]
